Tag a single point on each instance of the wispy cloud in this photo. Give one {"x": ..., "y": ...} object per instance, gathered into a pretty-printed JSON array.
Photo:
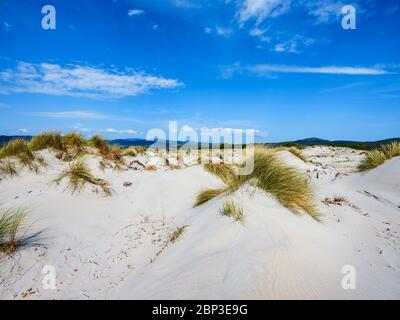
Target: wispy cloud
[
  {"x": 4, "y": 105},
  {"x": 267, "y": 68},
  {"x": 119, "y": 131},
  {"x": 80, "y": 81},
  {"x": 270, "y": 70},
  {"x": 88, "y": 115},
  {"x": 259, "y": 10},
  {"x": 135, "y": 12}
]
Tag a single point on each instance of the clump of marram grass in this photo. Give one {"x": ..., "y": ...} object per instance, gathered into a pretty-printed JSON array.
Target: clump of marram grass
[
  {"x": 134, "y": 151},
  {"x": 78, "y": 174},
  {"x": 11, "y": 221},
  {"x": 96, "y": 141},
  {"x": 74, "y": 140},
  {"x": 287, "y": 184},
  {"x": 391, "y": 150},
  {"x": 223, "y": 171},
  {"x": 47, "y": 140},
  {"x": 207, "y": 195},
  {"x": 8, "y": 168},
  {"x": 20, "y": 149},
  {"x": 16, "y": 147},
  {"x": 298, "y": 153},
  {"x": 376, "y": 157},
  {"x": 232, "y": 210}
]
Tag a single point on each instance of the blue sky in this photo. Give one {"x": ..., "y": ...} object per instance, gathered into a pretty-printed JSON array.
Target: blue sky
[{"x": 285, "y": 68}]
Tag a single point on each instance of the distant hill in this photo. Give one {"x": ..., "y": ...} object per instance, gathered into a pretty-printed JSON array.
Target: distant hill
[
  {"x": 5, "y": 139},
  {"x": 301, "y": 143},
  {"x": 338, "y": 143}
]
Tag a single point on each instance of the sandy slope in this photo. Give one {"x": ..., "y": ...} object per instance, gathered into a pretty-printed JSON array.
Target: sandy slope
[{"x": 117, "y": 247}]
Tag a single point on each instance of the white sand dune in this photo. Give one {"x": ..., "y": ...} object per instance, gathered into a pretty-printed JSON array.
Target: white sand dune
[{"x": 117, "y": 247}]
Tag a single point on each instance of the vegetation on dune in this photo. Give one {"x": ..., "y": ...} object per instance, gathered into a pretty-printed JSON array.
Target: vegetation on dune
[
  {"x": 207, "y": 195},
  {"x": 11, "y": 221},
  {"x": 223, "y": 171},
  {"x": 288, "y": 185},
  {"x": 78, "y": 174},
  {"x": 7, "y": 168},
  {"x": 391, "y": 150},
  {"x": 376, "y": 157},
  {"x": 47, "y": 140},
  {"x": 232, "y": 210},
  {"x": 20, "y": 149}
]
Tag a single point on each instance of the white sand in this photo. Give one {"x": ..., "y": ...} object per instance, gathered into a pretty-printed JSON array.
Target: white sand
[{"x": 117, "y": 247}]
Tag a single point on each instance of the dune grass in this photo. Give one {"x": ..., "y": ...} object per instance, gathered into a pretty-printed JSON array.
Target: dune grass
[
  {"x": 288, "y": 185},
  {"x": 391, "y": 150},
  {"x": 298, "y": 153},
  {"x": 207, "y": 195},
  {"x": 20, "y": 149},
  {"x": 78, "y": 174},
  {"x": 47, "y": 140},
  {"x": 376, "y": 157},
  {"x": 11, "y": 221},
  {"x": 223, "y": 171},
  {"x": 232, "y": 210},
  {"x": 74, "y": 140},
  {"x": 8, "y": 168}
]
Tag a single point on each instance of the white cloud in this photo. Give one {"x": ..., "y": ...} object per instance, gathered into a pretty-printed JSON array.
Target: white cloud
[
  {"x": 207, "y": 30},
  {"x": 80, "y": 81},
  {"x": 23, "y": 130},
  {"x": 88, "y": 115},
  {"x": 261, "y": 9},
  {"x": 117, "y": 131},
  {"x": 156, "y": 27},
  {"x": 266, "y": 68},
  {"x": 294, "y": 44},
  {"x": 135, "y": 12},
  {"x": 324, "y": 10},
  {"x": 269, "y": 70}
]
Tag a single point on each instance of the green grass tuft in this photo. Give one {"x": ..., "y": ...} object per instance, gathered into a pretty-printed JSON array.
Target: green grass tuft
[
  {"x": 11, "y": 221},
  {"x": 288, "y": 185},
  {"x": 47, "y": 140},
  {"x": 78, "y": 174},
  {"x": 375, "y": 158},
  {"x": 232, "y": 210},
  {"x": 207, "y": 195},
  {"x": 8, "y": 168}
]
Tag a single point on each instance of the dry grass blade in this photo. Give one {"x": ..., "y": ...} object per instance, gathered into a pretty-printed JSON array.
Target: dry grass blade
[
  {"x": 47, "y": 140},
  {"x": 7, "y": 168},
  {"x": 78, "y": 174},
  {"x": 288, "y": 185},
  {"x": 11, "y": 221},
  {"x": 372, "y": 160},
  {"x": 230, "y": 209},
  {"x": 177, "y": 234},
  {"x": 207, "y": 195}
]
